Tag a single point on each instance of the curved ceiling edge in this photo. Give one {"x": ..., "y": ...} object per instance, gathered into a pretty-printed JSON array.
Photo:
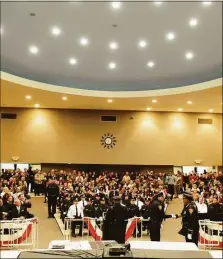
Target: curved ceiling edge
[{"x": 106, "y": 94}]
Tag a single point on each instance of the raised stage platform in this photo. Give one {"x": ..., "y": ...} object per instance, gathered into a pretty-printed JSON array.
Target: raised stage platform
[{"x": 140, "y": 249}]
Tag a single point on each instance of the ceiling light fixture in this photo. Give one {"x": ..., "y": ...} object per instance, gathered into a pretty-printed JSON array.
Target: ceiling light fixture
[
  {"x": 112, "y": 65},
  {"x": 170, "y": 36},
  {"x": 210, "y": 110},
  {"x": 113, "y": 45},
  {"x": 116, "y": 4},
  {"x": 37, "y": 105},
  {"x": 28, "y": 97},
  {"x": 189, "y": 102},
  {"x": 84, "y": 41},
  {"x": 193, "y": 22},
  {"x": 110, "y": 100},
  {"x": 189, "y": 55},
  {"x": 56, "y": 31},
  {"x": 64, "y": 98},
  {"x": 73, "y": 61},
  {"x": 154, "y": 101},
  {"x": 148, "y": 109},
  {"x": 158, "y": 3},
  {"x": 150, "y": 64},
  {"x": 180, "y": 109},
  {"x": 142, "y": 44},
  {"x": 206, "y": 3},
  {"x": 33, "y": 49}
]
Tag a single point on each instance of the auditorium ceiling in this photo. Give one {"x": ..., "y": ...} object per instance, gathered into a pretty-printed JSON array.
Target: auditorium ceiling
[
  {"x": 21, "y": 96},
  {"x": 109, "y": 46}
]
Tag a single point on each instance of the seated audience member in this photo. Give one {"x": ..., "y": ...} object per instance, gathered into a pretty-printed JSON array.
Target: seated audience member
[
  {"x": 18, "y": 210},
  {"x": 3, "y": 212},
  {"x": 215, "y": 211},
  {"x": 76, "y": 212}
]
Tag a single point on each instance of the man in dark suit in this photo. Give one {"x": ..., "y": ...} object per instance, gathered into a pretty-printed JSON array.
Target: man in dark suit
[
  {"x": 114, "y": 226},
  {"x": 18, "y": 210}
]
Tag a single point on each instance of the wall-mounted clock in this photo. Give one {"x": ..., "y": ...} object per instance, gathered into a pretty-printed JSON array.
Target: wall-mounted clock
[{"x": 108, "y": 140}]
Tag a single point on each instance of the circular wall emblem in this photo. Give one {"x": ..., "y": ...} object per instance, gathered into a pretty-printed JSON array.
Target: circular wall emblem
[{"x": 108, "y": 140}]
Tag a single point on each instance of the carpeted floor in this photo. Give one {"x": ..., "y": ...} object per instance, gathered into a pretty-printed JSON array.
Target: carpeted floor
[{"x": 49, "y": 229}]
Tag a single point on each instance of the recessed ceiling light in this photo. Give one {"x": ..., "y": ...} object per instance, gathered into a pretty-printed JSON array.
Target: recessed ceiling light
[
  {"x": 206, "y": 3},
  {"x": 37, "y": 105},
  {"x": 116, "y": 4},
  {"x": 150, "y": 64},
  {"x": 193, "y": 22},
  {"x": 110, "y": 100},
  {"x": 148, "y": 109},
  {"x": 28, "y": 97},
  {"x": 189, "y": 55},
  {"x": 210, "y": 110},
  {"x": 73, "y": 61},
  {"x": 64, "y": 98},
  {"x": 154, "y": 101},
  {"x": 84, "y": 41},
  {"x": 158, "y": 2},
  {"x": 112, "y": 65},
  {"x": 56, "y": 31},
  {"x": 189, "y": 102},
  {"x": 142, "y": 44},
  {"x": 33, "y": 49},
  {"x": 113, "y": 45},
  {"x": 180, "y": 109},
  {"x": 170, "y": 36}
]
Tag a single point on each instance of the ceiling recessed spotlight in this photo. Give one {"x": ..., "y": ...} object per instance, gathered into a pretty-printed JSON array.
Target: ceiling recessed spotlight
[
  {"x": 73, "y": 61},
  {"x": 110, "y": 100},
  {"x": 64, "y": 98},
  {"x": 112, "y": 65},
  {"x": 150, "y": 64},
  {"x": 154, "y": 101},
  {"x": 180, "y": 109},
  {"x": 56, "y": 31},
  {"x": 193, "y": 22},
  {"x": 113, "y": 45},
  {"x": 116, "y": 4},
  {"x": 148, "y": 109},
  {"x": 33, "y": 49},
  {"x": 158, "y": 3},
  {"x": 84, "y": 41},
  {"x": 142, "y": 44},
  {"x": 189, "y": 55},
  {"x": 206, "y": 3},
  {"x": 210, "y": 110},
  {"x": 36, "y": 105},
  {"x": 170, "y": 36},
  {"x": 28, "y": 97},
  {"x": 189, "y": 102}
]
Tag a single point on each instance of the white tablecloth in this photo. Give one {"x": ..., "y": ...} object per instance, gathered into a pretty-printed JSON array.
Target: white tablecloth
[{"x": 163, "y": 245}]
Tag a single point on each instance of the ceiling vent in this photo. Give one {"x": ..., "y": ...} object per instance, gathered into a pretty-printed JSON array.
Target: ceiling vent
[
  {"x": 108, "y": 118},
  {"x": 205, "y": 121},
  {"x": 9, "y": 116}
]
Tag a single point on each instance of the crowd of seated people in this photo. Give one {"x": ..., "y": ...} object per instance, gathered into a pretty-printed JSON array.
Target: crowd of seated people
[
  {"x": 93, "y": 192},
  {"x": 14, "y": 199}
]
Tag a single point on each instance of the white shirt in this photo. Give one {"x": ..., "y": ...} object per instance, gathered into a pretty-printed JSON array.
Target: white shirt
[
  {"x": 72, "y": 211},
  {"x": 82, "y": 203},
  {"x": 202, "y": 207},
  {"x": 139, "y": 204}
]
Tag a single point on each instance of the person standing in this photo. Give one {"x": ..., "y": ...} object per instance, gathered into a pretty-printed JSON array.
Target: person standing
[
  {"x": 171, "y": 180},
  {"x": 157, "y": 215},
  {"x": 133, "y": 211},
  {"x": 190, "y": 223},
  {"x": 115, "y": 222},
  {"x": 52, "y": 192}
]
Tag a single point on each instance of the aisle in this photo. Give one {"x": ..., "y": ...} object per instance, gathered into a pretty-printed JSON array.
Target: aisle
[{"x": 48, "y": 228}]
